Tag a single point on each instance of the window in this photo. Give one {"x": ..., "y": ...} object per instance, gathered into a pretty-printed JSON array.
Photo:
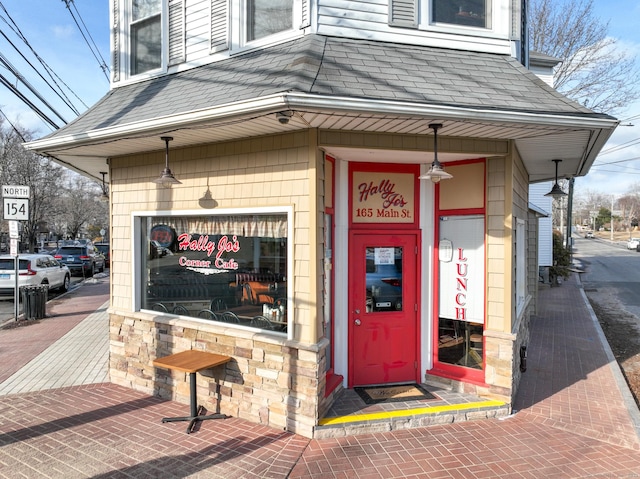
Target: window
[
  {"x": 267, "y": 17},
  {"x": 225, "y": 268},
  {"x": 146, "y": 35},
  {"x": 470, "y": 13}
]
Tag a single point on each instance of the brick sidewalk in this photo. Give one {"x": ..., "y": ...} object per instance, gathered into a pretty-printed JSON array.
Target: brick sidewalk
[{"x": 572, "y": 420}]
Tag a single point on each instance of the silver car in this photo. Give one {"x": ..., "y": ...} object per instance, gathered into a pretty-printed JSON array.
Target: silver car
[{"x": 34, "y": 269}]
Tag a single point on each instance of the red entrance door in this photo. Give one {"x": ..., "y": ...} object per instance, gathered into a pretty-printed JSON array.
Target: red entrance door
[{"x": 383, "y": 311}]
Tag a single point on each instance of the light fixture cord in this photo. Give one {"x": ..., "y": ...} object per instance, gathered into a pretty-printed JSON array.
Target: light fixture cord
[{"x": 166, "y": 154}]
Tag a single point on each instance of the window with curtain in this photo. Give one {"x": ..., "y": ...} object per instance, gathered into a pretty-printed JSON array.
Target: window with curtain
[
  {"x": 224, "y": 268},
  {"x": 146, "y": 35},
  {"x": 470, "y": 13}
]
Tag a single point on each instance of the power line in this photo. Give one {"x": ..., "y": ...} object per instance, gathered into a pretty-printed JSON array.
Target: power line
[
  {"x": 52, "y": 75},
  {"x": 16, "y": 29},
  {"x": 94, "y": 49},
  {"x": 61, "y": 96},
  {"x": 12, "y": 69},
  {"x": 621, "y": 146},
  {"x": 18, "y": 132},
  {"x": 28, "y": 102}
]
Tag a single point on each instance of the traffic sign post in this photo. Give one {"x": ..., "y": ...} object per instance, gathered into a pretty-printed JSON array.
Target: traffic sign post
[{"x": 15, "y": 208}]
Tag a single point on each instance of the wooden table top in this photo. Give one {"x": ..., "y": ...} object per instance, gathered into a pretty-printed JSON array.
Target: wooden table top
[{"x": 191, "y": 361}]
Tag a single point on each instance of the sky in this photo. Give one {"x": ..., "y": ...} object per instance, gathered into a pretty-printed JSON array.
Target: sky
[{"x": 53, "y": 34}]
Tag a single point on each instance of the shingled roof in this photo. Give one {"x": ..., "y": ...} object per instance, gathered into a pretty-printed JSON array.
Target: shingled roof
[{"x": 338, "y": 67}]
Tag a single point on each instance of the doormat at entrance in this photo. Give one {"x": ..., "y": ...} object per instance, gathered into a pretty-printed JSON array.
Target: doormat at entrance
[{"x": 395, "y": 393}]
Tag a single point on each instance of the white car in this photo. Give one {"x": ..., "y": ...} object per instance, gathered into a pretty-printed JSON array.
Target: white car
[
  {"x": 34, "y": 269},
  {"x": 633, "y": 243}
]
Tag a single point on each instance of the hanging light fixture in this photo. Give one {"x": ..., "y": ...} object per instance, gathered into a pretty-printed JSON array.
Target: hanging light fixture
[
  {"x": 556, "y": 191},
  {"x": 105, "y": 190},
  {"x": 436, "y": 171},
  {"x": 167, "y": 178}
]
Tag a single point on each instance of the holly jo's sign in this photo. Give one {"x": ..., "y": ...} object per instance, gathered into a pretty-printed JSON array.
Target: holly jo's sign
[
  {"x": 202, "y": 244},
  {"x": 382, "y": 197}
]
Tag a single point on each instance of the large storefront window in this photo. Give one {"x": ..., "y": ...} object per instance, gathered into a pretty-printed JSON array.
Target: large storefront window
[
  {"x": 224, "y": 268},
  {"x": 461, "y": 299}
]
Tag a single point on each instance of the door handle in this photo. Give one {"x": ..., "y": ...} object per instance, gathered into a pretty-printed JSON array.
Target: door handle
[{"x": 357, "y": 322}]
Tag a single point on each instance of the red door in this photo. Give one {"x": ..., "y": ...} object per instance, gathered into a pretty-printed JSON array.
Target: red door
[{"x": 383, "y": 310}]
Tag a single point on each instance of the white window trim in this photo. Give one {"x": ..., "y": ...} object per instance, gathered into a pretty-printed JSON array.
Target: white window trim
[
  {"x": 135, "y": 248},
  {"x": 426, "y": 23},
  {"x": 126, "y": 53}
]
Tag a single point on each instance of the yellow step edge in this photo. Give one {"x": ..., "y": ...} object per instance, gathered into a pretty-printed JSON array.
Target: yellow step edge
[{"x": 330, "y": 421}]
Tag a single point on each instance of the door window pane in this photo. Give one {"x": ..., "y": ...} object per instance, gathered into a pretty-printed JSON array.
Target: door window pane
[
  {"x": 266, "y": 17},
  {"x": 384, "y": 279}
]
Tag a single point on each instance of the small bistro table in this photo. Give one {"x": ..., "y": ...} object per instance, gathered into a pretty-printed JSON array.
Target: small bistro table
[{"x": 191, "y": 362}]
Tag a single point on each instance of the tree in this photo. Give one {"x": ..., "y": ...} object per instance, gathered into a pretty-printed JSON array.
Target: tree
[
  {"x": 61, "y": 202},
  {"x": 82, "y": 208},
  {"x": 592, "y": 71},
  {"x": 21, "y": 167}
]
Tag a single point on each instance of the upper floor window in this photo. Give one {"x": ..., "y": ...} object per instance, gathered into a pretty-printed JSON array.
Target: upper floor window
[
  {"x": 470, "y": 13},
  {"x": 267, "y": 17},
  {"x": 146, "y": 35}
]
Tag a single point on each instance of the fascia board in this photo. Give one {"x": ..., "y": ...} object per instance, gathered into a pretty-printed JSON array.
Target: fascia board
[{"x": 302, "y": 101}]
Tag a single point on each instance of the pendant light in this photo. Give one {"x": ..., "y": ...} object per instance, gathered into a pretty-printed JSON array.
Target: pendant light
[
  {"x": 167, "y": 178},
  {"x": 556, "y": 192},
  {"x": 436, "y": 171}
]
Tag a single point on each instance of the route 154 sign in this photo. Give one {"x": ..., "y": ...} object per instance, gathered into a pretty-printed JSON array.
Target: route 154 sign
[{"x": 15, "y": 202}]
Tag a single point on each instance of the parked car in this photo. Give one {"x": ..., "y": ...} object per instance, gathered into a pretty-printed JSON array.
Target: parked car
[
  {"x": 105, "y": 249},
  {"x": 156, "y": 250},
  {"x": 83, "y": 259},
  {"x": 589, "y": 235},
  {"x": 33, "y": 270},
  {"x": 633, "y": 243}
]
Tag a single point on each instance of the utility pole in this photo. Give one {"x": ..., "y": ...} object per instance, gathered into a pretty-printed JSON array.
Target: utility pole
[{"x": 612, "y": 197}]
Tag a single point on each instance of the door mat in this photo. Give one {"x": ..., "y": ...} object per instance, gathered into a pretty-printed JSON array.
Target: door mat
[{"x": 394, "y": 393}]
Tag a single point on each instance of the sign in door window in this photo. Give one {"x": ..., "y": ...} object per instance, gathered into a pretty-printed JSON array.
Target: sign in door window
[{"x": 384, "y": 279}]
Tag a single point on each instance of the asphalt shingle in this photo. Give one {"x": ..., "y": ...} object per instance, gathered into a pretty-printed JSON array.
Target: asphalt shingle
[{"x": 321, "y": 65}]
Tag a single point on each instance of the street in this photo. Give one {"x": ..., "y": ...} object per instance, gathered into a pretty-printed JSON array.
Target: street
[
  {"x": 612, "y": 284},
  {"x": 7, "y": 308}
]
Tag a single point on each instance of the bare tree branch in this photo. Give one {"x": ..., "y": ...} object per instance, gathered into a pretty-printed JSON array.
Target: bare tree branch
[{"x": 593, "y": 71}]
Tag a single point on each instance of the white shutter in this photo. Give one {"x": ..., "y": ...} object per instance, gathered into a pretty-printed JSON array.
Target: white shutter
[
  {"x": 306, "y": 14},
  {"x": 219, "y": 25},
  {"x": 176, "y": 32},
  {"x": 403, "y": 13}
]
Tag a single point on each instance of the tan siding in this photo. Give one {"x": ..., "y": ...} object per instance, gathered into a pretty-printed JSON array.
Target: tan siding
[
  {"x": 496, "y": 233},
  {"x": 477, "y": 148},
  {"x": 238, "y": 174}
]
